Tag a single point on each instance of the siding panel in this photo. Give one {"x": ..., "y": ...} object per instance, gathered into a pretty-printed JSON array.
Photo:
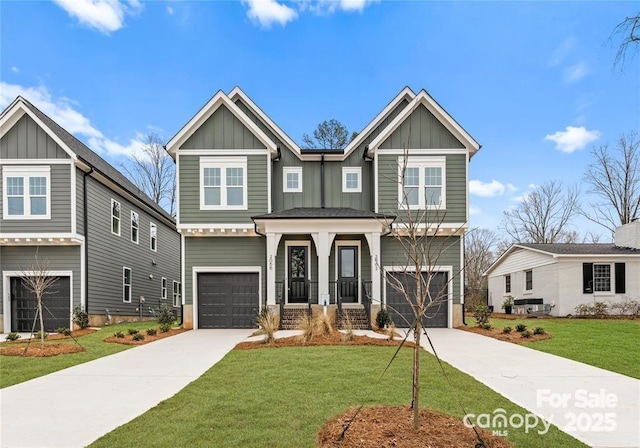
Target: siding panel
[{"x": 26, "y": 140}]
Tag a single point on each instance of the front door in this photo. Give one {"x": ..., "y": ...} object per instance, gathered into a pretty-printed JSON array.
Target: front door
[
  {"x": 298, "y": 285},
  {"x": 348, "y": 274}
]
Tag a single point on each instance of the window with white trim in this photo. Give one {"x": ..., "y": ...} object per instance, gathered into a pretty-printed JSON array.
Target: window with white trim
[
  {"x": 26, "y": 192},
  {"x": 135, "y": 228},
  {"x": 153, "y": 237},
  {"x": 177, "y": 294},
  {"x": 292, "y": 179},
  {"x": 163, "y": 289},
  {"x": 507, "y": 283},
  {"x": 422, "y": 183},
  {"x": 115, "y": 217},
  {"x": 528, "y": 280},
  {"x": 601, "y": 277},
  {"x": 351, "y": 179},
  {"x": 223, "y": 183},
  {"x": 126, "y": 285}
]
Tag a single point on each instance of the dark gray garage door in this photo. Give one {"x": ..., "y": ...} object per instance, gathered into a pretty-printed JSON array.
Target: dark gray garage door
[
  {"x": 56, "y": 306},
  {"x": 399, "y": 310},
  {"x": 228, "y": 300}
]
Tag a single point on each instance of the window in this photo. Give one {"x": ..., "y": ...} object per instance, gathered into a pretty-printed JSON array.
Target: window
[
  {"x": 507, "y": 283},
  {"x": 26, "y": 192},
  {"x": 126, "y": 285},
  {"x": 135, "y": 228},
  {"x": 153, "y": 237},
  {"x": 351, "y": 179},
  {"x": 115, "y": 217},
  {"x": 423, "y": 185},
  {"x": 177, "y": 294},
  {"x": 223, "y": 183},
  {"x": 602, "y": 277},
  {"x": 292, "y": 179},
  {"x": 163, "y": 290},
  {"x": 528, "y": 280}
]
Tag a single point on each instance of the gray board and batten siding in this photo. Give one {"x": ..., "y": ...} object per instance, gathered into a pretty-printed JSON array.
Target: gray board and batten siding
[{"x": 27, "y": 140}]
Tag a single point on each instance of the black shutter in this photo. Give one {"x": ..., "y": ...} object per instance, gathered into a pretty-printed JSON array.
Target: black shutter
[
  {"x": 620, "y": 279},
  {"x": 587, "y": 278}
]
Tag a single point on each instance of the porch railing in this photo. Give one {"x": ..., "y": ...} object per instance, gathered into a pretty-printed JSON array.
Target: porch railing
[
  {"x": 366, "y": 300},
  {"x": 280, "y": 300}
]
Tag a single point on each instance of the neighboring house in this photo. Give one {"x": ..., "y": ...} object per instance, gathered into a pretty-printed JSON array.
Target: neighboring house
[
  {"x": 265, "y": 222},
  {"x": 108, "y": 243},
  {"x": 567, "y": 275}
]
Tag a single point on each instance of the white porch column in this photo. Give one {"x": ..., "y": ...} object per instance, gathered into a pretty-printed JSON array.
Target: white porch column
[
  {"x": 323, "y": 242},
  {"x": 272, "y": 249},
  {"x": 373, "y": 239}
]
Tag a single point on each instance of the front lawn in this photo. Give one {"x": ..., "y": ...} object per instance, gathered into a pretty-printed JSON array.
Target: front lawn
[
  {"x": 280, "y": 397},
  {"x": 17, "y": 369},
  {"x": 610, "y": 344}
]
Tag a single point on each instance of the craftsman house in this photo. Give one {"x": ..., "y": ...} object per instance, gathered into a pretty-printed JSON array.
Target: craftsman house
[
  {"x": 115, "y": 252},
  {"x": 266, "y": 223}
]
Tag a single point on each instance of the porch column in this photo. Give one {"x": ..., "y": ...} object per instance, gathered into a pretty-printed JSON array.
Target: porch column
[
  {"x": 323, "y": 242},
  {"x": 272, "y": 249},
  {"x": 373, "y": 239}
]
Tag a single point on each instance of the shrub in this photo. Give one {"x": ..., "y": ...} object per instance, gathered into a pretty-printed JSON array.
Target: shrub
[
  {"x": 138, "y": 337},
  {"x": 268, "y": 323},
  {"x": 37, "y": 335},
  {"x": 165, "y": 327},
  {"x": 539, "y": 330},
  {"x": 487, "y": 327},
  {"x": 383, "y": 319},
  {"x": 12, "y": 336},
  {"x": 507, "y": 330},
  {"x": 64, "y": 330},
  {"x": 305, "y": 324},
  {"x": 118, "y": 334},
  {"x": 165, "y": 315},
  {"x": 583, "y": 309},
  {"x": 322, "y": 325},
  {"x": 151, "y": 331},
  {"x": 526, "y": 334},
  {"x": 348, "y": 335},
  {"x": 521, "y": 327},
  {"x": 481, "y": 314},
  {"x": 391, "y": 331},
  {"x": 80, "y": 317},
  {"x": 132, "y": 331},
  {"x": 600, "y": 309}
]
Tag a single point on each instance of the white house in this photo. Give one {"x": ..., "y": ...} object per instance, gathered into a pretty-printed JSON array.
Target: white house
[{"x": 567, "y": 275}]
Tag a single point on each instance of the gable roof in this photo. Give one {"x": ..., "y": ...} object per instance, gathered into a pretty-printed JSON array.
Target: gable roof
[
  {"x": 423, "y": 98},
  {"x": 79, "y": 151}
]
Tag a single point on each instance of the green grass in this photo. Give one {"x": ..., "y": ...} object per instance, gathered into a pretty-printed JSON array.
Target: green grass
[
  {"x": 610, "y": 344},
  {"x": 281, "y": 398},
  {"x": 17, "y": 369}
]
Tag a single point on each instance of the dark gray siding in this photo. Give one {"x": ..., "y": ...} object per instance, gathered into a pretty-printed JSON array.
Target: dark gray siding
[
  {"x": 60, "y": 206},
  {"x": 222, "y": 130},
  {"x": 223, "y": 251},
  {"x": 79, "y": 201},
  {"x": 60, "y": 258},
  {"x": 456, "y": 188},
  {"x": 109, "y": 253},
  {"x": 27, "y": 140},
  {"x": 257, "y": 194},
  {"x": 444, "y": 251},
  {"x": 421, "y": 130}
]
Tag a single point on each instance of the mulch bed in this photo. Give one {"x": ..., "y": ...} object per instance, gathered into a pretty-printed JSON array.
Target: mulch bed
[
  {"x": 336, "y": 338},
  {"x": 35, "y": 351},
  {"x": 128, "y": 338},
  {"x": 392, "y": 426},
  {"x": 514, "y": 336},
  {"x": 53, "y": 337}
]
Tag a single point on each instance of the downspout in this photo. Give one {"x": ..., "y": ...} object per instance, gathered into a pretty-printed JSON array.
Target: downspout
[
  {"x": 322, "y": 180},
  {"x": 85, "y": 220}
]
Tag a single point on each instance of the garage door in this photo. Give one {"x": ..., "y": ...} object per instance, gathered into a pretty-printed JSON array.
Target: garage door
[
  {"x": 399, "y": 310},
  {"x": 228, "y": 300},
  {"x": 56, "y": 309}
]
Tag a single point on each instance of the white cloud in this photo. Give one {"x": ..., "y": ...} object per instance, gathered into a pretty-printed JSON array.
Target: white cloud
[
  {"x": 486, "y": 189},
  {"x": 104, "y": 15},
  {"x": 562, "y": 51},
  {"x": 511, "y": 188},
  {"x": 575, "y": 72},
  {"x": 169, "y": 10},
  {"x": 268, "y": 12},
  {"x": 14, "y": 69},
  {"x": 474, "y": 211},
  {"x": 354, "y": 5},
  {"x": 573, "y": 138}
]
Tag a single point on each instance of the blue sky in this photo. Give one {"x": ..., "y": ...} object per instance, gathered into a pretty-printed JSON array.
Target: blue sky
[{"x": 533, "y": 82}]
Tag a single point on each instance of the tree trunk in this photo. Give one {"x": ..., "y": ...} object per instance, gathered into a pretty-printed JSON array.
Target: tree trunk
[
  {"x": 41, "y": 322},
  {"x": 416, "y": 374}
]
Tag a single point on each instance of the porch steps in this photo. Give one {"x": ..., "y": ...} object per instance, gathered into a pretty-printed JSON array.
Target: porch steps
[
  {"x": 291, "y": 316},
  {"x": 357, "y": 316}
]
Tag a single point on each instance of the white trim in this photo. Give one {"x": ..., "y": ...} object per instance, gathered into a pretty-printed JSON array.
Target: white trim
[
  {"x": 524, "y": 282},
  {"x": 183, "y": 263},
  {"x": 74, "y": 206},
  {"x": 240, "y": 226},
  {"x": 83, "y": 274},
  {"x": 375, "y": 183},
  {"x": 224, "y": 163},
  {"x": 137, "y": 240},
  {"x": 174, "y": 295},
  {"x": 504, "y": 283},
  {"x": 269, "y": 183},
  {"x": 73, "y": 238},
  {"x": 224, "y": 152},
  {"x": 421, "y": 163},
  {"x": 291, "y": 170},
  {"x": 351, "y": 170},
  {"x": 287, "y": 244},
  {"x": 36, "y": 162},
  {"x": 306, "y": 226},
  {"x": 111, "y": 216},
  {"x": 424, "y": 151},
  {"x": 130, "y": 284},
  {"x": 151, "y": 226},
  {"x": 195, "y": 270},
  {"x": 349, "y": 243},
  {"x": 178, "y": 190},
  {"x": 164, "y": 285},
  {"x": 6, "y": 294},
  {"x": 26, "y": 174}
]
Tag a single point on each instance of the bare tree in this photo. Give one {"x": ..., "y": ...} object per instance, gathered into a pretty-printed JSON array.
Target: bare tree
[
  {"x": 329, "y": 134},
  {"x": 37, "y": 279},
  {"x": 153, "y": 171},
  {"x": 629, "y": 29},
  {"x": 479, "y": 254},
  {"x": 543, "y": 216},
  {"x": 614, "y": 178}
]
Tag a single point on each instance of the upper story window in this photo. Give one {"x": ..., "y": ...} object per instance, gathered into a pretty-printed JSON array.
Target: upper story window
[
  {"x": 351, "y": 179},
  {"x": 26, "y": 192},
  {"x": 507, "y": 283},
  {"x": 528, "y": 280},
  {"x": 135, "y": 228},
  {"x": 153, "y": 237},
  {"x": 423, "y": 184},
  {"x": 223, "y": 183},
  {"x": 115, "y": 217},
  {"x": 292, "y": 179}
]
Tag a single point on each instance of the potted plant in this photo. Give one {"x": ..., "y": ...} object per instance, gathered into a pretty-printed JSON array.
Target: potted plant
[{"x": 507, "y": 304}]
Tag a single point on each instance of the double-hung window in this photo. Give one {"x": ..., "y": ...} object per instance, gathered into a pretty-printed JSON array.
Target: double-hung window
[
  {"x": 223, "y": 183},
  {"x": 422, "y": 182},
  {"x": 528, "y": 280},
  {"x": 351, "y": 179},
  {"x": 292, "y": 179},
  {"x": 26, "y": 192},
  {"x": 602, "y": 277},
  {"x": 163, "y": 289},
  {"x": 507, "y": 283},
  {"x": 177, "y": 293},
  {"x": 126, "y": 285},
  {"x": 153, "y": 237},
  {"x": 115, "y": 217},
  {"x": 135, "y": 228}
]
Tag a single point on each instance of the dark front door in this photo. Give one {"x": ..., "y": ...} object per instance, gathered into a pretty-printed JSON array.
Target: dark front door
[
  {"x": 56, "y": 306},
  {"x": 348, "y": 274},
  {"x": 298, "y": 285}
]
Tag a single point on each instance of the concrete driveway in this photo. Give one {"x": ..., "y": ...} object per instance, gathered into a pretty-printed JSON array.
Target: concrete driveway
[
  {"x": 84, "y": 402},
  {"x": 597, "y": 407}
]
